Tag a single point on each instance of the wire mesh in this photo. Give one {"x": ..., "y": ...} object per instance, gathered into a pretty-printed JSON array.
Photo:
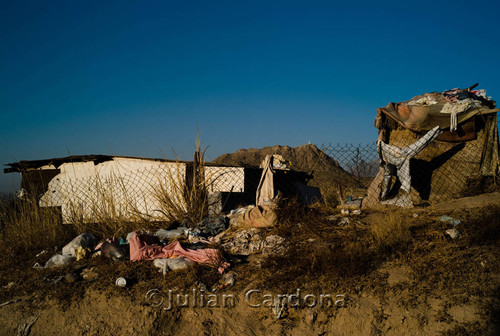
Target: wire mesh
[{"x": 333, "y": 173}]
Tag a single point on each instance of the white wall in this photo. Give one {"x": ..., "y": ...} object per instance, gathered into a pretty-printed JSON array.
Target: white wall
[{"x": 126, "y": 188}]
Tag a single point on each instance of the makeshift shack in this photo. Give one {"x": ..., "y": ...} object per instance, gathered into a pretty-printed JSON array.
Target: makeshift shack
[
  {"x": 462, "y": 160},
  {"x": 90, "y": 187}
]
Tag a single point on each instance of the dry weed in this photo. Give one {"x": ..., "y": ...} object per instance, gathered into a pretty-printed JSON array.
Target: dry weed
[
  {"x": 183, "y": 195},
  {"x": 391, "y": 231},
  {"x": 25, "y": 225}
]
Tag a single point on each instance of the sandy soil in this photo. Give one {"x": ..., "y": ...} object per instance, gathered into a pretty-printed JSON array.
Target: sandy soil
[{"x": 434, "y": 286}]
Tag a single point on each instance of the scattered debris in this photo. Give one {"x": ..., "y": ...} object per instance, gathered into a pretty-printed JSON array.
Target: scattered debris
[
  {"x": 84, "y": 240},
  {"x": 403, "y": 201},
  {"x": 164, "y": 264},
  {"x": 201, "y": 286},
  {"x": 241, "y": 210},
  {"x": 115, "y": 251},
  {"x": 332, "y": 218},
  {"x": 9, "y": 302},
  {"x": 273, "y": 245},
  {"x": 82, "y": 253},
  {"x": 344, "y": 221},
  {"x": 259, "y": 216},
  {"x": 57, "y": 260},
  {"x": 453, "y": 233},
  {"x": 163, "y": 234},
  {"x": 24, "y": 328},
  {"x": 251, "y": 241},
  {"x": 89, "y": 273},
  {"x": 451, "y": 220},
  {"x": 147, "y": 247},
  {"x": 53, "y": 280},
  {"x": 212, "y": 226},
  {"x": 352, "y": 204},
  {"x": 41, "y": 253},
  {"x": 228, "y": 279},
  {"x": 121, "y": 282},
  {"x": 9, "y": 285}
]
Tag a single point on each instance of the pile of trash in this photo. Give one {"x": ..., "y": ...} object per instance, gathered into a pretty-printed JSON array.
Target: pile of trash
[{"x": 181, "y": 247}]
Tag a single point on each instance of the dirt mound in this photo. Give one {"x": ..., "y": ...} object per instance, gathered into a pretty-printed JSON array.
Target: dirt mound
[{"x": 307, "y": 158}]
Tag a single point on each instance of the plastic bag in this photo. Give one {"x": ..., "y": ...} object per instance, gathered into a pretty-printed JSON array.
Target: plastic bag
[
  {"x": 85, "y": 240},
  {"x": 59, "y": 260},
  {"x": 172, "y": 263}
]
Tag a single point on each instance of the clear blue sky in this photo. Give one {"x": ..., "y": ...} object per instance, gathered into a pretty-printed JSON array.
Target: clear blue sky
[{"x": 135, "y": 77}]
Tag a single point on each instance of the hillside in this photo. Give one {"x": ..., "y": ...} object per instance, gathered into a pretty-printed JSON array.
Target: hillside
[{"x": 307, "y": 158}]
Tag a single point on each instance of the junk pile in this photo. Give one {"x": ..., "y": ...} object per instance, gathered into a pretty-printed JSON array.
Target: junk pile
[
  {"x": 182, "y": 247},
  {"x": 434, "y": 134},
  {"x": 239, "y": 233}
]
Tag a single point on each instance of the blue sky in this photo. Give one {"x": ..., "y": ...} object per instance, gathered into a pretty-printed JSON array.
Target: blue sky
[{"x": 136, "y": 77}]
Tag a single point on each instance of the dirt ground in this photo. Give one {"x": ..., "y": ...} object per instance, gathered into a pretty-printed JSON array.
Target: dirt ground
[{"x": 412, "y": 279}]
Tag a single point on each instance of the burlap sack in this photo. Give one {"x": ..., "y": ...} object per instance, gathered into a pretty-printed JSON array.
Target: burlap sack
[{"x": 259, "y": 216}]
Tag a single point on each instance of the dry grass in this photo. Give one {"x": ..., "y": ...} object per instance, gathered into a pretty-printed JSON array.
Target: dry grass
[
  {"x": 105, "y": 207},
  {"x": 323, "y": 257},
  {"x": 321, "y": 254},
  {"x": 26, "y": 226},
  {"x": 391, "y": 230},
  {"x": 181, "y": 200}
]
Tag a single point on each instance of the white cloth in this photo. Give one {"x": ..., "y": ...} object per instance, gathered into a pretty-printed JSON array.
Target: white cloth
[
  {"x": 396, "y": 160},
  {"x": 265, "y": 190}
]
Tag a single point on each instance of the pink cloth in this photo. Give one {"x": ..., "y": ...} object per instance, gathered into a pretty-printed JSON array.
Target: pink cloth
[{"x": 139, "y": 250}]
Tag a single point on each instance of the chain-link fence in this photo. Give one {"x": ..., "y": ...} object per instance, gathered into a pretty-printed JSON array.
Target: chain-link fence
[{"x": 408, "y": 169}]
